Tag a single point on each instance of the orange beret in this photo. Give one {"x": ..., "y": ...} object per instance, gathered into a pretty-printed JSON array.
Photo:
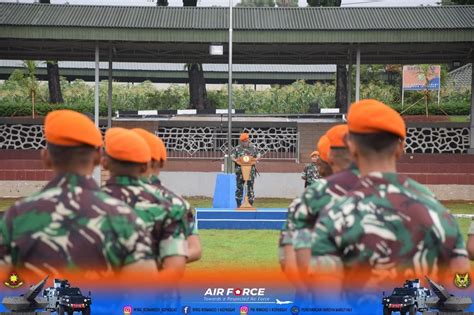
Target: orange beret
[
  {"x": 336, "y": 135},
  {"x": 244, "y": 136},
  {"x": 152, "y": 142},
  {"x": 126, "y": 145},
  {"x": 324, "y": 146},
  {"x": 157, "y": 146},
  {"x": 372, "y": 116},
  {"x": 314, "y": 153},
  {"x": 69, "y": 128},
  {"x": 163, "y": 154}
]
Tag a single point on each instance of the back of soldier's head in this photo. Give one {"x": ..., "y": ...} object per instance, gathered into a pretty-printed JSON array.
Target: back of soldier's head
[
  {"x": 339, "y": 156},
  {"x": 375, "y": 129},
  {"x": 157, "y": 149},
  {"x": 126, "y": 153},
  {"x": 324, "y": 147},
  {"x": 73, "y": 141}
]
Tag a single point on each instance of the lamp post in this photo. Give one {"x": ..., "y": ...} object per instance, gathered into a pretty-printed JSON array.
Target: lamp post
[{"x": 229, "y": 113}]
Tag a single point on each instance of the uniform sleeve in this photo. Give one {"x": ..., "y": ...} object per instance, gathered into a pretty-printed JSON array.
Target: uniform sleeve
[
  {"x": 286, "y": 233},
  {"x": 191, "y": 219},
  {"x": 174, "y": 231},
  {"x": 6, "y": 239},
  {"x": 233, "y": 153},
  {"x": 126, "y": 241},
  {"x": 303, "y": 174},
  {"x": 471, "y": 228},
  {"x": 460, "y": 247},
  {"x": 306, "y": 213},
  {"x": 335, "y": 230}
]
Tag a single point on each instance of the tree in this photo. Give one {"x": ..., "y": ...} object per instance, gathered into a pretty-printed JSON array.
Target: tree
[
  {"x": 30, "y": 82},
  {"x": 54, "y": 84},
  {"x": 256, "y": 3},
  {"x": 55, "y": 95},
  {"x": 324, "y": 3},
  {"x": 197, "y": 84},
  {"x": 341, "y": 71},
  {"x": 162, "y": 3},
  {"x": 287, "y": 3},
  {"x": 457, "y": 2}
]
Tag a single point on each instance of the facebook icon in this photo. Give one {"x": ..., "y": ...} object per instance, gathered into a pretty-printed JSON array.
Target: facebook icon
[{"x": 186, "y": 310}]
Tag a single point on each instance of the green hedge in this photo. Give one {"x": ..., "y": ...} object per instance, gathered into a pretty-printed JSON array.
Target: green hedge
[{"x": 288, "y": 99}]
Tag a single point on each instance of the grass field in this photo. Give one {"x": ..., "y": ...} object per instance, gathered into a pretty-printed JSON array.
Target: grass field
[{"x": 256, "y": 248}]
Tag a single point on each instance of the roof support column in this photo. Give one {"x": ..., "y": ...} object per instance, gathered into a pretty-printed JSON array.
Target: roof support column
[
  {"x": 96, "y": 173},
  {"x": 109, "y": 95},
  {"x": 471, "y": 129},
  {"x": 349, "y": 81},
  {"x": 357, "y": 96}
]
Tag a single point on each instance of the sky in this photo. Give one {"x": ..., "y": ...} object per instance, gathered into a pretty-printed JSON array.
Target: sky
[{"x": 206, "y": 3}]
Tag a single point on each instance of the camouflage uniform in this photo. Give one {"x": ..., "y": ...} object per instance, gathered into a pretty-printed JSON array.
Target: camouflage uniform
[
  {"x": 72, "y": 224},
  {"x": 177, "y": 200},
  {"x": 310, "y": 174},
  {"x": 323, "y": 193},
  {"x": 165, "y": 221},
  {"x": 237, "y": 152},
  {"x": 287, "y": 232},
  {"x": 391, "y": 224}
]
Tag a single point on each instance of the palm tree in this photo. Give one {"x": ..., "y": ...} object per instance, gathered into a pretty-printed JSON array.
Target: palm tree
[{"x": 31, "y": 82}]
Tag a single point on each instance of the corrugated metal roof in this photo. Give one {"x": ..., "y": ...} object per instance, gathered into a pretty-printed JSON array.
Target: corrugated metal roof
[
  {"x": 461, "y": 77},
  {"x": 439, "y": 17},
  {"x": 180, "y": 67}
]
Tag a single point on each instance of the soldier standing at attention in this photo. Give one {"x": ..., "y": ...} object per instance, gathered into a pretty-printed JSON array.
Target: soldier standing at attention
[
  {"x": 158, "y": 158},
  {"x": 311, "y": 171},
  {"x": 323, "y": 193},
  {"x": 244, "y": 148},
  {"x": 71, "y": 224},
  {"x": 287, "y": 256},
  {"x": 389, "y": 226},
  {"x": 126, "y": 157},
  {"x": 323, "y": 147}
]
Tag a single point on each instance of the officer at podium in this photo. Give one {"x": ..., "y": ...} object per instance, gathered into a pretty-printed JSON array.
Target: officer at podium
[{"x": 244, "y": 148}]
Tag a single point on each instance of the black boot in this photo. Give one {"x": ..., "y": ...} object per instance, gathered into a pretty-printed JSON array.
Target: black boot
[{"x": 238, "y": 202}]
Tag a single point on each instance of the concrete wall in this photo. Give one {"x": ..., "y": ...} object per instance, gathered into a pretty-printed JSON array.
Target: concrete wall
[{"x": 268, "y": 185}]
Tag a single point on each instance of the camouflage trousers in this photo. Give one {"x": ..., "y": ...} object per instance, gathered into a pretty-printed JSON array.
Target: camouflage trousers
[{"x": 239, "y": 192}]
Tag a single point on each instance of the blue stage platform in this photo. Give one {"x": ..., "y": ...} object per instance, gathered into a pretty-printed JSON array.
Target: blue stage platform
[{"x": 231, "y": 219}]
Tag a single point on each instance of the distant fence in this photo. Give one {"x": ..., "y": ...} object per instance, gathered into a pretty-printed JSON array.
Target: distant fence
[
  {"x": 211, "y": 142},
  {"x": 274, "y": 143}
]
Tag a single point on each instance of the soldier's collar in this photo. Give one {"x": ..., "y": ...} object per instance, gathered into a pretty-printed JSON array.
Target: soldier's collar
[
  {"x": 124, "y": 180},
  {"x": 73, "y": 180},
  {"x": 379, "y": 177}
]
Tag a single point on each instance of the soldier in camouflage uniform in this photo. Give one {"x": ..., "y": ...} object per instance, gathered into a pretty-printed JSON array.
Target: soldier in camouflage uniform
[
  {"x": 389, "y": 225},
  {"x": 126, "y": 157},
  {"x": 323, "y": 193},
  {"x": 311, "y": 171},
  {"x": 245, "y": 148},
  {"x": 70, "y": 224},
  {"x": 158, "y": 158}
]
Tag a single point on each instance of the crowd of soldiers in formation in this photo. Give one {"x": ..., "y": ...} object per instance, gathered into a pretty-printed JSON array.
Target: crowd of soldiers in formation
[
  {"x": 359, "y": 219},
  {"x": 355, "y": 215}
]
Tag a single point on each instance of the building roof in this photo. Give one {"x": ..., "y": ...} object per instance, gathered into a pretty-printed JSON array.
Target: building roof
[
  {"x": 177, "y": 73},
  {"x": 216, "y": 18},
  {"x": 401, "y": 35},
  {"x": 460, "y": 77}
]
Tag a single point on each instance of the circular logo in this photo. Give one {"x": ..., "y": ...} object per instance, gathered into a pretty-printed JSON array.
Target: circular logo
[
  {"x": 238, "y": 291},
  {"x": 295, "y": 310},
  {"x": 246, "y": 159}
]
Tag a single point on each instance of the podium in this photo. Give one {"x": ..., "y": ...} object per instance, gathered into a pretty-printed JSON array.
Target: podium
[{"x": 246, "y": 162}]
